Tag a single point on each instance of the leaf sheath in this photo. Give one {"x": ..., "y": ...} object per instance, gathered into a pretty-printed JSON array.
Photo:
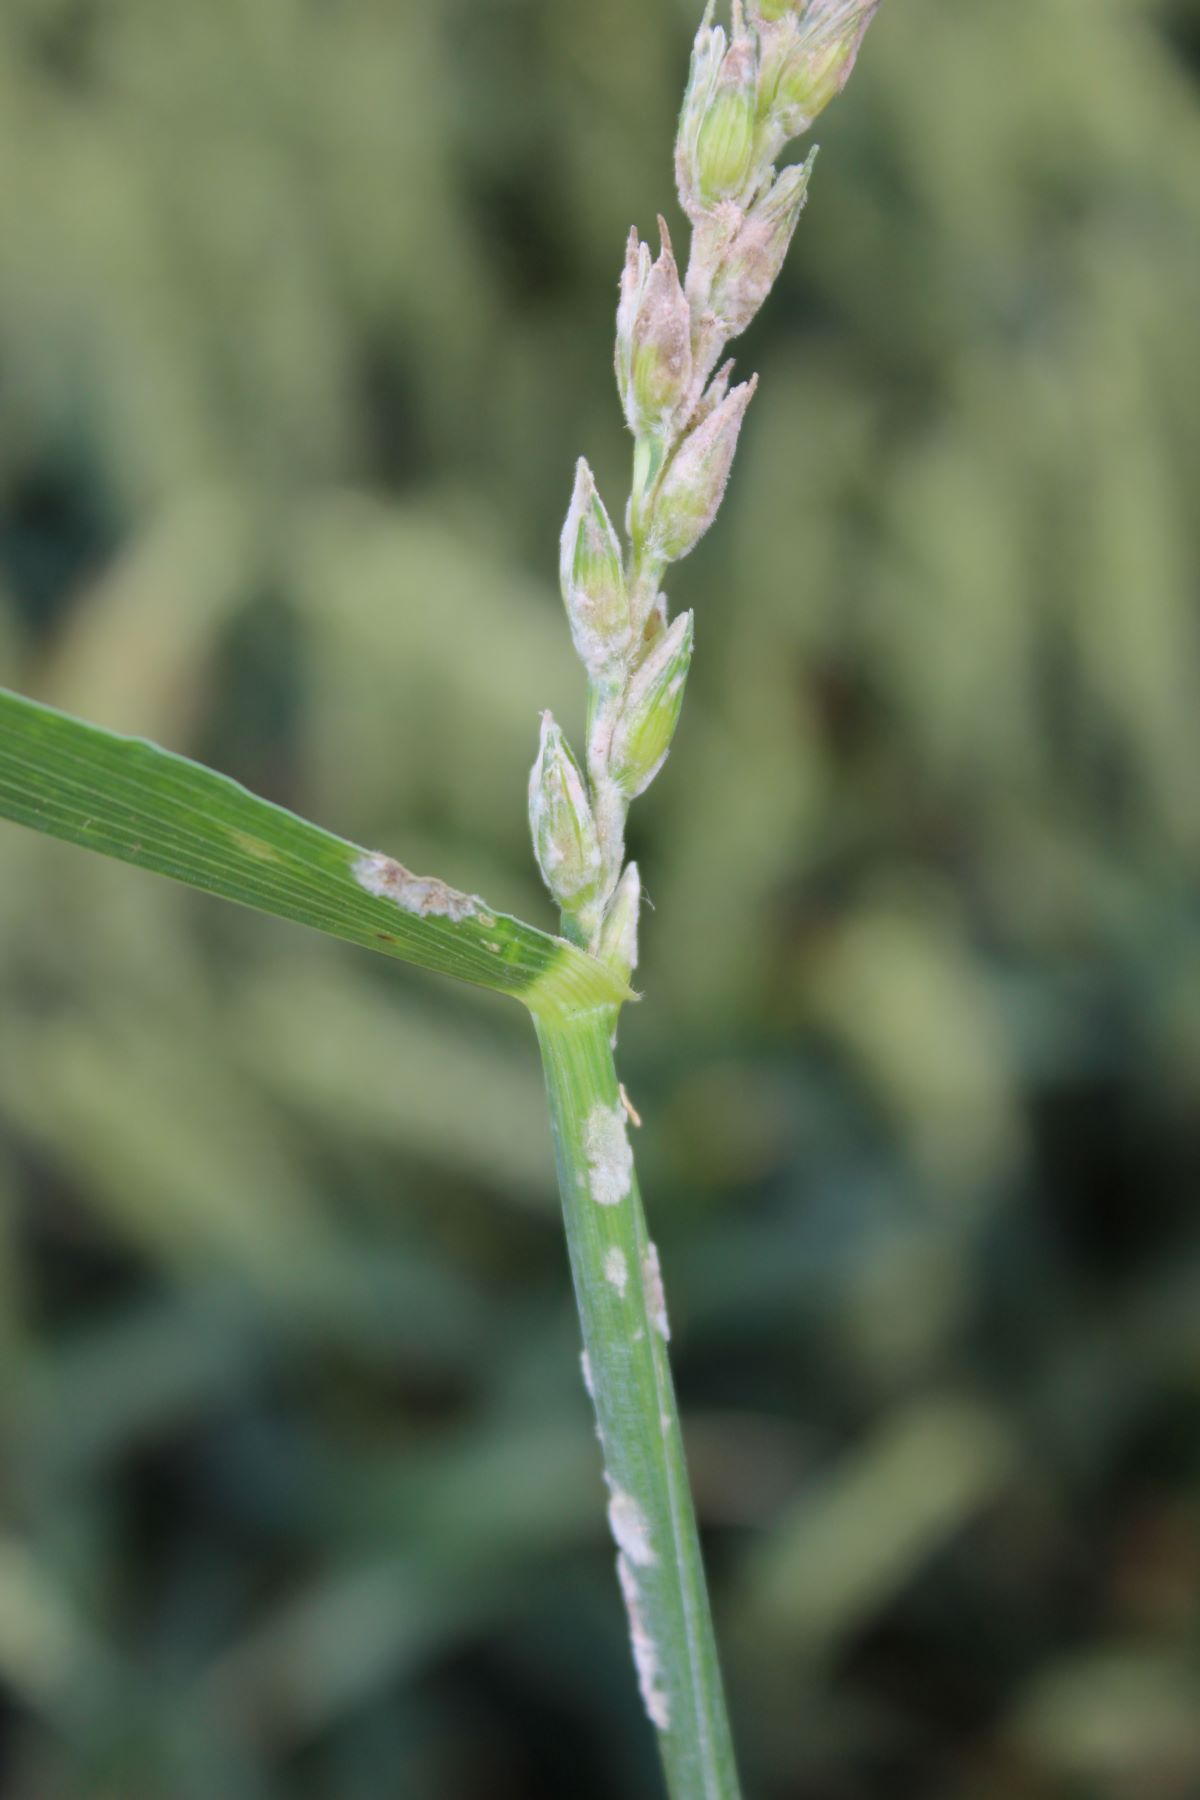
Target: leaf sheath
[{"x": 619, "y": 1295}]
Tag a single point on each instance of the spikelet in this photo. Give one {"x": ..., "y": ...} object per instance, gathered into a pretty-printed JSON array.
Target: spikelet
[{"x": 751, "y": 89}]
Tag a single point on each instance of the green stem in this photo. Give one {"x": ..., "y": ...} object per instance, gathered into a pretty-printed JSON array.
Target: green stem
[{"x": 619, "y": 1295}]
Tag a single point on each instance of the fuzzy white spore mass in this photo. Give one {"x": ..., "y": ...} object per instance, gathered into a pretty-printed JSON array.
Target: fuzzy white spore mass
[
  {"x": 645, "y": 1650},
  {"x": 422, "y": 895},
  {"x": 610, "y": 1160},
  {"x": 616, "y": 1270},
  {"x": 656, "y": 1300},
  {"x": 630, "y": 1529}
]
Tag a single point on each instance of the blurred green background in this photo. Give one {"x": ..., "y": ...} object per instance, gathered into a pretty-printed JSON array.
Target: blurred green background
[{"x": 305, "y": 311}]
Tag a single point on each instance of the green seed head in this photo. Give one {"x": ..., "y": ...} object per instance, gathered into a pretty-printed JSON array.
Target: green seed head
[
  {"x": 619, "y": 935},
  {"x": 635, "y": 277},
  {"x": 560, "y": 818},
  {"x": 593, "y": 584},
  {"x": 751, "y": 265},
  {"x": 725, "y": 141},
  {"x": 694, "y": 484},
  {"x": 651, "y": 711},
  {"x": 714, "y": 153},
  {"x": 654, "y": 337},
  {"x": 818, "y": 61}
]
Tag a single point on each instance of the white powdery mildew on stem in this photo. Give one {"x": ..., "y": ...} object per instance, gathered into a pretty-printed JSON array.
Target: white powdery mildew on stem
[
  {"x": 630, "y": 1529},
  {"x": 645, "y": 1650},
  {"x": 422, "y": 895},
  {"x": 616, "y": 1270},
  {"x": 656, "y": 1300},
  {"x": 610, "y": 1160}
]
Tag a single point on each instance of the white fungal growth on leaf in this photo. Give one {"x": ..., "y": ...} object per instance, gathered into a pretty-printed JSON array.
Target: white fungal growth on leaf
[
  {"x": 422, "y": 895},
  {"x": 645, "y": 1650},
  {"x": 610, "y": 1160},
  {"x": 616, "y": 1270},
  {"x": 630, "y": 1529},
  {"x": 656, "y": 1300},
  {"x": 585, "y": 1363}
]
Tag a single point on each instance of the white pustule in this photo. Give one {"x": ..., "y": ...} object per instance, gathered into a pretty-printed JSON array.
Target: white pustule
[{"x": 609, "y": 1157}]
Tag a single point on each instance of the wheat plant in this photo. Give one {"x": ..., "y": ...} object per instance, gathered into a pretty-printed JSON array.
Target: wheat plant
[
  {"x": 749, "y": 93},
  {"x": 752, "y": 90}
]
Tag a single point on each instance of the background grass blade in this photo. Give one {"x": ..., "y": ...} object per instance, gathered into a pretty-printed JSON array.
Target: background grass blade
[{"x": 132, "y": 800}]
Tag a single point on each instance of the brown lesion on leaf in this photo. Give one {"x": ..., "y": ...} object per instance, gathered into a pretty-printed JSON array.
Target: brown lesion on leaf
[{"x": 424, "y": 896}]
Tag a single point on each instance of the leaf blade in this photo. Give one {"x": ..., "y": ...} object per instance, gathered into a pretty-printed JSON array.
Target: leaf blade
[{"x": 129, "y": 799}]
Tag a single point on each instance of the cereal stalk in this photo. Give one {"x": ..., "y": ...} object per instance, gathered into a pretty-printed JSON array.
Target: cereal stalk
[
  {"x": 618, "y": 1290},
  {"x": 751, "y": 90}
]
